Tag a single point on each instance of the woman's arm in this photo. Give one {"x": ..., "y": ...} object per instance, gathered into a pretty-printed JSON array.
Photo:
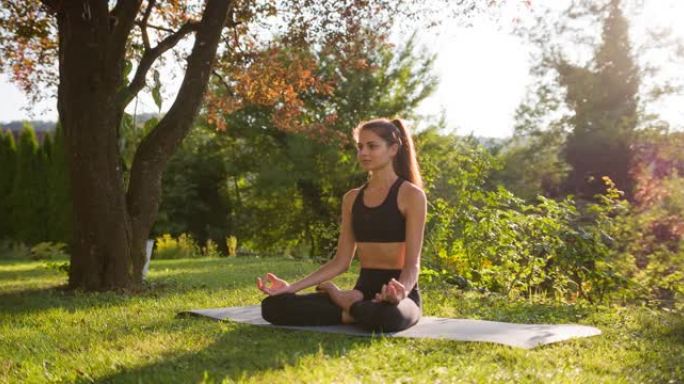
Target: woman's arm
[
  {"x": 416, "y": 210},
  {"x": 346, "y": 247}
]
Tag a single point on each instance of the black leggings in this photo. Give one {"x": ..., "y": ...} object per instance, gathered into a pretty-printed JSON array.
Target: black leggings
[{"x": 318, "y": 309}]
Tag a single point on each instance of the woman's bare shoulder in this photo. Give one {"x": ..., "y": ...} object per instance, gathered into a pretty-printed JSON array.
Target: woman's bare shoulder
[
  {"x": 351, "y": 194},
  {"x": 411, "y": 192},
  {"x": 410, "y": 196}
]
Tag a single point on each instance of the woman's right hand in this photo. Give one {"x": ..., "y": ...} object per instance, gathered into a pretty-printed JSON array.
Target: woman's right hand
[
  {"x": 278, "y": 285},
  {"x": 393, "y": 292}
]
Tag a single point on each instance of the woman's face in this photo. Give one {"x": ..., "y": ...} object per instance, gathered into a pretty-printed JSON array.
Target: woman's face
[{"x": 373, "y": 152}]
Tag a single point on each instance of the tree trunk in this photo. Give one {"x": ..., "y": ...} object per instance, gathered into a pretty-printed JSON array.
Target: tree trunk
[
  {"x": 110, "y": 224},
  {"x": 100, "y": 251}
]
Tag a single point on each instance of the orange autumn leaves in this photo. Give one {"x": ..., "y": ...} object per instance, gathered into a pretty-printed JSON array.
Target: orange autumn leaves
[
  {"x": 29, "y": 45},
  {"x": 276, "y": 78},
  {"x": 281, "y": 77}
]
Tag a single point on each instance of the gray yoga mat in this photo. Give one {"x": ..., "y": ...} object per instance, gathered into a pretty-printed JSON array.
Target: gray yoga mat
[{"x": 515, "y": 335}]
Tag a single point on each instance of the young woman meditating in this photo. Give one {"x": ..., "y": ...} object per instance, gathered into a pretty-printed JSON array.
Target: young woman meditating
[{"x": 383, "y": 221}]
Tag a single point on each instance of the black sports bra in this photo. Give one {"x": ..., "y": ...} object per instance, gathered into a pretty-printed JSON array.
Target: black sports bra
[{"x": 381, "y": 224}]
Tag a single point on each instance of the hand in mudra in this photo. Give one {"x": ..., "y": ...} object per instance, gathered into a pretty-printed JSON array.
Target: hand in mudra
[
  {"x": 277, "y": 285},
  {"x": 393, "y": 292}
]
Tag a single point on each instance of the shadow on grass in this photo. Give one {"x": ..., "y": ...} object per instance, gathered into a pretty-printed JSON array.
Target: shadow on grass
[
  {"x": 167, "y": 278},
  {"x": 240, "y": 353},
  {"x": 31, "y": 301}
]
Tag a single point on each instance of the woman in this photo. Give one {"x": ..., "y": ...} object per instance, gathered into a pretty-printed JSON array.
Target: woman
[{"x": 383, "y": 221}]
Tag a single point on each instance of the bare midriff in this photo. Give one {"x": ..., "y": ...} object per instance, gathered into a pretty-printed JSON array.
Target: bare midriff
[{"x": 381, "y": 255}]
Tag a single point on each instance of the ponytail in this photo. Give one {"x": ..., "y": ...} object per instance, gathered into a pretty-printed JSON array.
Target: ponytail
[{"x": 406, "y": 162}]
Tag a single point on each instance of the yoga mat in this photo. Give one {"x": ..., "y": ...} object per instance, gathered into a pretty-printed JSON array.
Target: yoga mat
[{"x": 515, "y": 335}]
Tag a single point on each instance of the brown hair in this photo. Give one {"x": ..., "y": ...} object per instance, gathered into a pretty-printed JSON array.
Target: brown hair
[{"x": 393, "y": 131}]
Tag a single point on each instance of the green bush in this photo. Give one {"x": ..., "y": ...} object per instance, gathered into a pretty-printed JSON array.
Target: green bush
[
  {"x": 210, "y": 249},
  {"x": 231, "y": 246},
  {"x": 48, "y": 250},
  {"x": 42, "y": 251},
  {"x": 14, "y": 250},
  {"x": 500, "y": 243},
  {"x": 656, "y": 247},
  {"x": 182, "y": 247}
]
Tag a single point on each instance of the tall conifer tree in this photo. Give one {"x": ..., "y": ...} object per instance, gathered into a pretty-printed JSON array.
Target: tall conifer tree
[
  {"x": 8, "y": 164},
  {"x": 27, "y": 199},
  {"x": 59, "y": 196},
  {"x": 604, "y": 99}
]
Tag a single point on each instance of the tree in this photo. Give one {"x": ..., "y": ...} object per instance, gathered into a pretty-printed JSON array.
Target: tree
[
  {"x": 593, "y": 92},
  {"x": 95, "y": 44},
  {"x": 110, "y": 224},
  {"x": 59, "y": 204},
  {"x": 532, "y": 163},
  {"x": 605, "y": 103},
  {"x": 28, "y": 200},
  {"x": 194, "y": 197},
  {"x": 8, "y": 160},
  {"x": 280, "y": 191}
]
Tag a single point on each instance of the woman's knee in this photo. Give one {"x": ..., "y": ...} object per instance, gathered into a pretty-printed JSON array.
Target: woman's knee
[
  {"x": 383, "y": 317},
  {"x": 391, "y": 319},
  {"x": 399, "y": 317},
  {"x": 272, "y": 308}
]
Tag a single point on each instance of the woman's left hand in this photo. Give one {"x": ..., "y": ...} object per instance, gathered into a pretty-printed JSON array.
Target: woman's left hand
[
  {"x": 278, "y": 285},
  {"x": 392, "y": 292}
]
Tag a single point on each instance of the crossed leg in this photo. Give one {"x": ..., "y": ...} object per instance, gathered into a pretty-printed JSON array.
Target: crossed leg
[
  {"x": 330, "y": 305},
  {"x": 375, "y": 316},
  {"x": 343, "y": 299}
]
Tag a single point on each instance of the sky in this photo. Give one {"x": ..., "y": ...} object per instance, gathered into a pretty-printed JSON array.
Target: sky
[
  {"x": 476, "y": 93},
  {"x": 483, "y": 72},
  {"x": 484, "y": 69}
]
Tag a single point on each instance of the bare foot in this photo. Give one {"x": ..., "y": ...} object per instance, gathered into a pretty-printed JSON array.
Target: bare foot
[
  {"x": 347, "y": 318},
  {"x": 343, "y": 299}
]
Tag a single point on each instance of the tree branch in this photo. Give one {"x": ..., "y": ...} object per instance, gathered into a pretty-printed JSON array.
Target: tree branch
[
  {"x": 143, "y": 24},
  {"x": 222, "y": 80},
  {"x": 144, "y": 191},
  {"x": 148, "y": 58},
  {"x": 122, "y": 19},
  {"x": 160, "y": 28}
]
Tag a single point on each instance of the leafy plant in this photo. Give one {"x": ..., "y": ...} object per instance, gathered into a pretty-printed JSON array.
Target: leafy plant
[
  {"x": 48, "y": 250},
  {"x": 169, "y": 247}
]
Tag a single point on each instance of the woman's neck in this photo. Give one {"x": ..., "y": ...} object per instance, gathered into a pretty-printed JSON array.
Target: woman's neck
[{"x": 382, "y": 178}]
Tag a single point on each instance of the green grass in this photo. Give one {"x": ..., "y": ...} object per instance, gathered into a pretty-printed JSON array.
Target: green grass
[{"x": 49, "y": 335}]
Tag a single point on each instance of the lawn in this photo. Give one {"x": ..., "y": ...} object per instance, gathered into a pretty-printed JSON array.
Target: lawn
[{"x": 50, "y": 335}]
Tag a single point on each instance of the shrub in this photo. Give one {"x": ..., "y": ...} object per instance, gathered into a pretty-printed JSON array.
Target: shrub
[
  {"x": 182, "y": 247},
  {"x": 498, "y": 242},
  {"x": 211, "y": 249},
  {"x": 231, "y": 245},
  {"x": 14, "y": 250},
  {"x": 57, "y": 266},
  {"x": 48, "y": 251}
]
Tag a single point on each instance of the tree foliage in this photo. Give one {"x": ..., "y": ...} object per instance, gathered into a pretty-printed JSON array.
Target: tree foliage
[
  {"x": 28, "y": 199},
  {"x": 280, "y": 192},
  {"x": 58, "y": 193},
  {"x": 594, "y": 84},
  {"x": 604, "y": 99},
  {"x": 105, "y": 53},
  {"x": 8, "y": 160}
]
